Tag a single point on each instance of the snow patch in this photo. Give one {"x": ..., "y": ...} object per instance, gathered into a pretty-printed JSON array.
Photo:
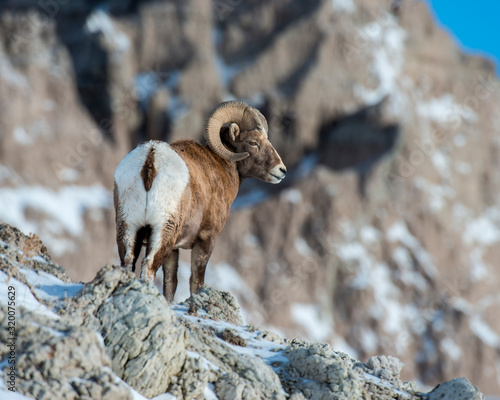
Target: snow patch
[
  {"x": 459, "y": 140},
  {"x": 407, "y": 274},
  {"x": 438, "y": 194},
  {"x": 317, "y": 325},
  {"x": 399, "y": 233},
  {"x": 64, "y": 208},
  {"x": 444, "y": 109},
  {"x": 441, "y": 163},
  {"x": 463, "y": 168},
  {"x": 9, "y": 74},
  {"x": 483, "y": 331},
  {"x": 293, "y": 196},
  {"x": 48, "y": 287},
  {"x": 483, "y": 230},
  {"x": 450, "y": 348},
  {"x": 347, "y": 6},
  {"x": 100, "y": 22},
  {"x": 369, "y": 235},
  {"x": 24, "y": 297},
  {"x": 388, "y": 60},
  {"x": 302, "y": 247}
]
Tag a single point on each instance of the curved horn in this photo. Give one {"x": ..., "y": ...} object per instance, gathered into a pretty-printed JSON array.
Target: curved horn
[{"x": 229, "y": 111}]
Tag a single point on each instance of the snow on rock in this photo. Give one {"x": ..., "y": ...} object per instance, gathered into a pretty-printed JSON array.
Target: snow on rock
[
  {"x": 483, "y": 230},
  {"x": 386, "y": 39},
  {"x": 117, "y": 338},
  {"x": 444, "y": 109},
  {"x": 347, "y": 6},
  {"x": 100, "y": 22},
  {"x": 399, "y": 233},
  {"x": 317, "y": 325},
  {"x": 65, "y": 209}
]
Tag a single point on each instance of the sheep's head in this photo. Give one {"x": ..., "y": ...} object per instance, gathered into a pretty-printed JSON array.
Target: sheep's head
[{"x": 245, "y": 141}]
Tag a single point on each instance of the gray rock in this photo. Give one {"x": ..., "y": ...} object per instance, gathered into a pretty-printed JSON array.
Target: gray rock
[
  {"x": 145, "y": 342},
  {"x": 120, "y": 327},
  {"x": 58, "y": 361},
  {"x": 322, "y": 372},
  {"x": 217, "y": 304},
  {"x": 456, "y": 389}
]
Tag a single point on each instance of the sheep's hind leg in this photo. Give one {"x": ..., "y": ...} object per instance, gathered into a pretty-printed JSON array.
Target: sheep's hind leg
[
  {"x": 126, "y": 241},
  {"x": 170, "y": 266},
  {"x": 199, "y": 258},
  {"x": 159, "y": 245}
]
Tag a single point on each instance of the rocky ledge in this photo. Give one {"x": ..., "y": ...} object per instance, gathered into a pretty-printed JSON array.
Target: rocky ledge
[{"x": 117, "y": 338}]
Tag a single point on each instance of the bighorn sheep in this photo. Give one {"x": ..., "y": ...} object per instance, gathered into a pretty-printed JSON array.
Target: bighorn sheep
[{"x": 178, "y": 196}]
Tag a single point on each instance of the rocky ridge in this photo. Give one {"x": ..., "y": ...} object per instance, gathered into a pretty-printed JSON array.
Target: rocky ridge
[{"x": 117, "y": 338}]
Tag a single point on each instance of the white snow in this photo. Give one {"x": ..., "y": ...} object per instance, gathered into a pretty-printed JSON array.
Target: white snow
[
  {"x": 478, "y": 269},
  {"x": 450, "y": 348},
  {"x": 65, "y": 209},
  {"x": 339, "y": 344},
  {"x": 317, "y": 325},
  {"x": 347, "y": 6},
  {"x": 302, "y": 247},
  {"x": 441, "y": 163},
  {"x": 24, "y": 297},
  {"x": 100, "y": 21},
  {"x": 459, "y": 140},
  {"x": 387, "y": 303},
  {"x": 209, "y": 392},
  {"x": 9, "y": 74},
  {"x": 387, "y": 41},
  {"x": 407, "y": 274},
  {"x": 268, "y": 351},
  {"x": 358, "y": 255},
  {"x": 385, "y": 384},
  {"x": 369, "y": 235},
  {"x": 251, "y": 240},
  {"x": 399, "y": 233},
  {"x": 483, "y": 331},
  {"x": 444, "y": 109},
  {"x": 49, "y": 287},
  {"x": 438, "y": 194},
  {"x": 463, "y": 168},
  {"x": 483, "y": 230},
  {"x": 293, "y": 196},
  {"x": 8, "y": 395},
  {"x": 22, "y": 137},
  {"x": 369, "y": 340}
]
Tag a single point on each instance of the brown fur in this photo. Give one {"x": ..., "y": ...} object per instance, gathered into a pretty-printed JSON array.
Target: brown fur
[
  {"x": 148, "y": 171},
  {"x": 205, "y": 204}
]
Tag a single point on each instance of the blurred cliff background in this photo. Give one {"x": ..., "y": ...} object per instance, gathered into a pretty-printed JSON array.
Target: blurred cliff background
[{"x": 383, "y": 239}]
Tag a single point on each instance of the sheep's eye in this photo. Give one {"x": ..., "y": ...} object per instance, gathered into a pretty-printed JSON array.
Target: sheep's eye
[{"x": 255, "y": 144}]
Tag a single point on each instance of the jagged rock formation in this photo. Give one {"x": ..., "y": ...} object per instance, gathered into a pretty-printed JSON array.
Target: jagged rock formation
[
  {"x": 383, "y": 238},
  {"x": 117, "y": 334}
]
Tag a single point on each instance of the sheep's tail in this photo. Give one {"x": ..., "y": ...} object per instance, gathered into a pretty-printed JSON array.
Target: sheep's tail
[{"x": 148, "y": 172}]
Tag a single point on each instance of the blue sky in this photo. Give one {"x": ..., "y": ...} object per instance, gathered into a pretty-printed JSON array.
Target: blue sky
[{"x": 474, "y": 24}]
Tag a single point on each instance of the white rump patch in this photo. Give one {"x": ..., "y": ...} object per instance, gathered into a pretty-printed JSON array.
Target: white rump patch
[{"x": 139, "y": 207}]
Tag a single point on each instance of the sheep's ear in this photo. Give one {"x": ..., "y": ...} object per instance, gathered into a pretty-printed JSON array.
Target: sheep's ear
[{"x": 234, "y": 131}]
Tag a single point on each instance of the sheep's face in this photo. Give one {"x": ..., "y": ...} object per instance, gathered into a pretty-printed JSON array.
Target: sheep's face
[{"x": 263, "y": 162}]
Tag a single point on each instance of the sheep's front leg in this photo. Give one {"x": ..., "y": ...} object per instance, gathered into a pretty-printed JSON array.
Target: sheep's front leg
[
  {"x": 170, "y": 266},
  {"x": 200, "y": 254}
]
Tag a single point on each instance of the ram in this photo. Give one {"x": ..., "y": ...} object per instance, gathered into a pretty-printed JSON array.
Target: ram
[{"x": 178, "y": 196}]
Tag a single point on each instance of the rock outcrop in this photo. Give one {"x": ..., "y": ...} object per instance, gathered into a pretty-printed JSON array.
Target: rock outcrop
[
  {"x": 117, "y": 338},
  {"x": 384, "y": 237}
]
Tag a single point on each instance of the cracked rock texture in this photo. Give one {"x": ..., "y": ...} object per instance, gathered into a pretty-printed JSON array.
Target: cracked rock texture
[{"x": 118, "y": 333}]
